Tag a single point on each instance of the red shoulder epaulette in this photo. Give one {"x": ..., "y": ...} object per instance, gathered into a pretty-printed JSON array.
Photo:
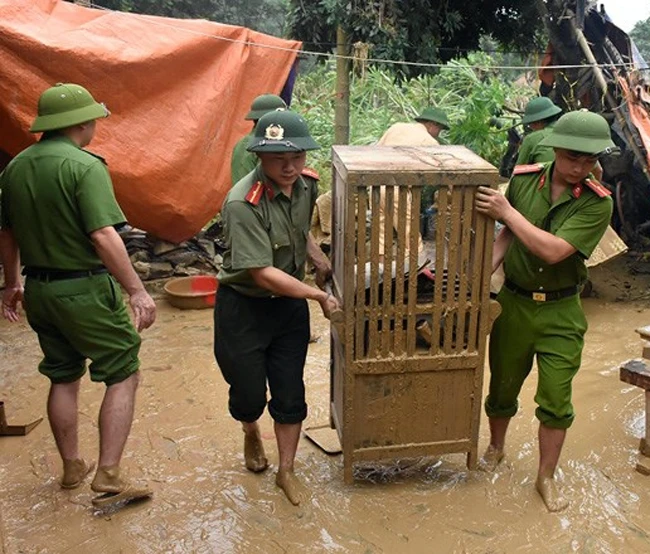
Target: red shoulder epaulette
[
  {"x": 600, "y": 190},
  {"x": 255, "y": 193},
  {"x": 528, "y": 168},
  {"x": 309, "y": 172}
]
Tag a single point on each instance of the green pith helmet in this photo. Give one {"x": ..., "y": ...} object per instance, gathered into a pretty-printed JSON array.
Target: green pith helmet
[
  {"x": 281, "y": 131},
  {"x": 65, "y": 105},
  {"x": 581, "y": 131},
  {"x": 539, "y": 109},
  {"x": 264, "y": 104},
  {"x": 436, "y": 115}
]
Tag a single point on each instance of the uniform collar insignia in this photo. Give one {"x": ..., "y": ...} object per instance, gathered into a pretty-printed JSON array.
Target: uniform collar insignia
[{"x": 600, "y": 190}]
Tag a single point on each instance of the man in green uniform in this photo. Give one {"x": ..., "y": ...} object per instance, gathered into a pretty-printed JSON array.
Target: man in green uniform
[
  {"x": 261, "y": 313},
  {"x": 243, "y": 161},
  {"x": 434, "y": 120},
  {"x": 540, "y": 115},
  {"x": 554, "y": 215},
  {"x": 58, "y": 216}
]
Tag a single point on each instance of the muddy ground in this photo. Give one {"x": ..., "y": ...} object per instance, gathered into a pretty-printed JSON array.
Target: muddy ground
[{"x": 186, "y": 446}]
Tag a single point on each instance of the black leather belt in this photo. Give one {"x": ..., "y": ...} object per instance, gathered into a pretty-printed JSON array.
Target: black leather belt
[
  {"x": 60, "y": 274},
  {"x": 540, "y": 295}
]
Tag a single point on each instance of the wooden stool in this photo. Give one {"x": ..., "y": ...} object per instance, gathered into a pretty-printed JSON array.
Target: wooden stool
[{"x": 637, "y": 373}]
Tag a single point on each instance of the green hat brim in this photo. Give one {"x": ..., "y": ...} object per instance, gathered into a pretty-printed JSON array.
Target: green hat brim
[
  {"x": 68, "y": 119},
  {"x": 288, "y": 144},
  {"x": 539, "y": 116},
  {"x": 591, "y": 147},
  {"x": 442, "y": 124},
  {"x": 254, "y": 115}
]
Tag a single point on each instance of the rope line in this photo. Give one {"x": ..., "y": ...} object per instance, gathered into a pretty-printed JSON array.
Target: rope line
[{"x": 332, "y": 56}]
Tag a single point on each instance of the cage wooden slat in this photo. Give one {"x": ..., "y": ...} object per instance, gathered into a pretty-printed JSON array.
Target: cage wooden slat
[
  {"x": 465, "y": 268},
  {"x": 373, "y": 320},
  {"x": 400, "y": 343},
  {"x": 389, "y": 209},
  {"x": 360, "y": 293},
  {"x": 441, "y": 248},
  {"x": 451, "y": 302},
  {"x": 415, "y": 197}
]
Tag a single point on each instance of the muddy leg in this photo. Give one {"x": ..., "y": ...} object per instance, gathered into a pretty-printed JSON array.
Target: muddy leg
[
  {"x": 254, "y": 456},
  {"x": 287, "y": 436},
  {"x": 494, "y": 452},
  {"x": 62, "y": 411},
  {"x": 115, "y": 418},
  {"x": 550, "y": 447}
]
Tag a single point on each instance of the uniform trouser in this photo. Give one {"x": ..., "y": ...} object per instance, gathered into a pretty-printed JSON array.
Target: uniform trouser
[
  {"x": 259, "y": 340},
  {"x": 551, "y": 331},
  {"x": 82, "y": 318}
]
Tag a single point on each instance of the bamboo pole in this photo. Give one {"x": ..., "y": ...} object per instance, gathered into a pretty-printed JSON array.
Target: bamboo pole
[{"x": 342, "y": 102}]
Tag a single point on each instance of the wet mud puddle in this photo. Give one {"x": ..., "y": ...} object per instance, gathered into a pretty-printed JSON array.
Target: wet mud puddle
[{"x": 186, "y": 446}]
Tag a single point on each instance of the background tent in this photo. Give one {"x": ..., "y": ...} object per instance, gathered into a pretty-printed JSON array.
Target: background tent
[{"x": 178, "y": 91}]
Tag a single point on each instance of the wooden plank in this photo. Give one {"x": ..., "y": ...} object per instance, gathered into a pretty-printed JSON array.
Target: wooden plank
[
  {"x": 360, "y": 292},
  {"x": 399, "y": 346},
  {"x": 478, "y": 264},
  {"x": 387, "y": 304},
  {"x": 442, "y": 226},
  {"x": 414, "y": 238},
  {"x": 373, "y": 319},
  {"x": 465, "y": 268},
  {"x": 610, "y": 246},
  {"x": 442, "y": 165},
  {"x": 637, "y": 373},
  {"x": 440, "y": 362},
  {"x": 481, "y": 280},
  {"x": 451, "y": 305},
  {"x": 411, "y": 450}
]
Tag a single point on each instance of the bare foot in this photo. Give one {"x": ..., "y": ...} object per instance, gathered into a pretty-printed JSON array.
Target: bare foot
[
  {"x": 74, "y": 472},
  {"x": 254, "y": 453},
  {"x": 491, "y": 459},
  {"x": 115, "y": 491},
  {"x": 552, "y": 497},
  {"x": 290, "y": 484}
]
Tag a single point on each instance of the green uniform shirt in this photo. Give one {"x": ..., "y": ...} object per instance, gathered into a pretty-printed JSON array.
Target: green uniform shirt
[
  {"x": 271, "y": 231},
  {"x": 242, "y": 161},
  {"x": 531, "y": 151},
  {"x": 579, "y": 216},
  {"x": 54, "y": 194}
]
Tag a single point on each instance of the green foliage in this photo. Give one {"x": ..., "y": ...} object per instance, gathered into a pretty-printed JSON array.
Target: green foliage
[
  {"x": 469, "y": 96},
  {"x": 641, "y": 36},
  {"x": 267, "y": 16},
  {"x": 417, "y": 30}
]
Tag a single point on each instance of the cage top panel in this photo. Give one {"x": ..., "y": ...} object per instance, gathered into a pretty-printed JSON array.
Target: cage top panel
[{"x": 430, "y": 164}]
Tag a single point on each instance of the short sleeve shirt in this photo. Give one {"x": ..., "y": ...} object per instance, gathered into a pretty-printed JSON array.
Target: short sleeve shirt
[
  {"x": 242, "y": 161},
  {"x": 532, "y": 151},
  {"x": 578, "y": 216},
  {"x": 54, "y": 194},
  {"x": 270, "y": 232}
]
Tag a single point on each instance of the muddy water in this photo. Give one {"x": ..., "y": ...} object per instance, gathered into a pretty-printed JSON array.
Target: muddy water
[{"x": 186, "y": 446}]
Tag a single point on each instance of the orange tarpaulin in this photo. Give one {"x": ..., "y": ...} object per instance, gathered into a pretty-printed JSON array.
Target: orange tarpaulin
[{"x": 178, "y": 91}]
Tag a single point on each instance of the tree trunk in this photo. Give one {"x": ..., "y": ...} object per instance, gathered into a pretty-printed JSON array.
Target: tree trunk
[{"x": 342, "y": 102}]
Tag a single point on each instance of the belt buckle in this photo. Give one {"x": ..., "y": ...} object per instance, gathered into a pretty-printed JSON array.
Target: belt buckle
[{"x": 539, "y": 296}]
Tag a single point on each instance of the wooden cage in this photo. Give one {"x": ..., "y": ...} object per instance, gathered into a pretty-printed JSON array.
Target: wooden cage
[{"x": 407, "y": 360}]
